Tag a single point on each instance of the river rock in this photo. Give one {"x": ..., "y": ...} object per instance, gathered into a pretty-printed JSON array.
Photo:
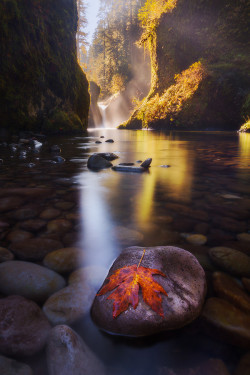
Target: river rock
[
  {"x": 33, "y": 225},
  {"x": 9, "y": 366},
  {"x": 50, "y": 213},
  {"x": 69, "y": 304},
  {"x": 34, "y": 249},
  {"x": 23, "y": 326},
  {"x": 59, "y": 226},
  {"x": 126, "y": 168},
  {"x": 185, "y": 284},
  {"x": 64, "y": 260},
  {"x": 29, "y": 280},
  {"x": 196, "y": 239},
  {"x": 226, "y": 287},
  {"x": 26, "y": 192},
  {"x": 213, "y": 366},
  {"x": 24, "y": 213},
  {"x": 98, "y": 162},
  {"x": 92, "y": 275},
  {"x": 225, "y": 322},
  {"x": 59, "y": 159},
  {"x": 243, "y": 366},
  {"x": 243, "y": 237},
  {"x": 126, "y": 236},
  {"x": 5, "y": 255},
  {"x": 107, "y": 155},
  {"x": 64, "y": 205},
  {"x": 10, "y": 203},
  {"x": 55, "y": 148},
  {"x": 232, "y": 261},
  {"x": 19, "y": 235},
  {"x": 67, "y": 354},
  {"x": 146, "y": 163},
  {"x": 109, "y": 141}
]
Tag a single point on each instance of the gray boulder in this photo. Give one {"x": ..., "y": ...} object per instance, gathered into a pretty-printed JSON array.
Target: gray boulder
[
  {"x": 97, "y": 162},
  {"x": 184, "y": 283}
]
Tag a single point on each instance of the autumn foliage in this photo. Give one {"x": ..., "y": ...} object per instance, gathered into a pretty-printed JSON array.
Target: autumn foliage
[{"x": 127, "y": 281}]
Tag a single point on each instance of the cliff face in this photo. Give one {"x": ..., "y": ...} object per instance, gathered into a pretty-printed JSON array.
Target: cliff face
[
  {"x": 200, "y": 66},
  {"x": 41, "y": 85}
]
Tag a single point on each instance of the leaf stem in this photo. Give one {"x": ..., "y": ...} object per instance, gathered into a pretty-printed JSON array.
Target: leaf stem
[{"x": 141, "y": 258}]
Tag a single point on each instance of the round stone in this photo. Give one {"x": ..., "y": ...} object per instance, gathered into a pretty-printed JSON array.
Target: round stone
[
  {"x": 184, "y": 283},
  {"x": 64, "y": 260},
  {"x": 34, "y": 249},
  {"x": 225, "y": 322},
  {"x": 67, "y": 354},
  {"x": 59, "y": 226},
  {"x": 64, "y": 205},
  {"x": 23, "y": 326},
  {"x": 92, "y": 275},
  {"x": 10, "y": 203},
  {"x": 98, "y": 162},
  {"x": 50, "y": 213},
  {"x": 197, "y": 239},
  {"x": 126, "y": 236},
  {"x": 24, "y": 213},
  {"x": 5, "y": 255},
  {"x": 33, "y": 225},
  {"x": 226, "y": 287},
  {"x": 9, "y": 366},
  {"x": 29, "y": 280},
  {"x": 19, "y": 235},
  {"x": 69, "y": 304},
  {"x": 232, "y": 261},
  {"x": 243, "y": 237}
]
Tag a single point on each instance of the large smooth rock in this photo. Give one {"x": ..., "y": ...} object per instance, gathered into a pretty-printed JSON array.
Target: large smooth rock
[
  {"x": 9, "y": 366},
  {"x": 98, "y": 162},
  {"x": 67, "y": 354},
  {"x": 107, "y": 155},
  {"x": 225, "y": 322},
  {"x": 127, "y": 168},
  {"x": 5, "y": 255},
  {"x": 29, "y": 280},
  {"x": 64, "y": 260},
  {"x": 185, "y": 284},
  {"x": 232, "y": 261},
  {"x": 226, "y": 287},
  {"x": 34, "y": 249},
  {"x": 23, "y": 326},
  {"x": 69, "y": 304},
  {"x": 92, "y": 275}
]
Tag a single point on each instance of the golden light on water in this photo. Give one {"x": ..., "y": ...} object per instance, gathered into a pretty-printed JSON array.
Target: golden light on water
[{"x": 244, "y": 149}]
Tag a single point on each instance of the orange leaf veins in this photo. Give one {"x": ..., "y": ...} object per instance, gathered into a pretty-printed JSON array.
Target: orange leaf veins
[{"x": 126, "y": 282}]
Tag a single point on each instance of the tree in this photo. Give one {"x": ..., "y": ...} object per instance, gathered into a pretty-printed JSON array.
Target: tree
[{"x": 81, "y": 35}]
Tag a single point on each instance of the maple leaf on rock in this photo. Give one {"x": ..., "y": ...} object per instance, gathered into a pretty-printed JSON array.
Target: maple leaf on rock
[{"x": 126, "y": 281}]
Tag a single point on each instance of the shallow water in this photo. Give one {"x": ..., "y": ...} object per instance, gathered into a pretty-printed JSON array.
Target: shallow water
[{"x": 207, "y": 182}]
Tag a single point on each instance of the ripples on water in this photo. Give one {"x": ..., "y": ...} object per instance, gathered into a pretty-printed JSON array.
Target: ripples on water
[{"x": 207, "y": 183}]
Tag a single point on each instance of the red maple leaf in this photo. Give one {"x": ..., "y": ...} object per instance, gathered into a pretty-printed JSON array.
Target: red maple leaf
[{"x": 126, "y": 282}]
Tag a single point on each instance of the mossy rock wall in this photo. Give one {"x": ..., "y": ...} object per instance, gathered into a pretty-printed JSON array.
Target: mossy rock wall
[
  {"x": 42, "y": 87},
  {"x": 213, "y": 34}
]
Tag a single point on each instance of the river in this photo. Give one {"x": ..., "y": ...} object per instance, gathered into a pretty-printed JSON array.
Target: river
[{"x": 192, "y": 174}]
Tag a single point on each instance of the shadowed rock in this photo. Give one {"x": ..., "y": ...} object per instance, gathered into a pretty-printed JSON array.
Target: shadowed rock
[{"x": 97, "y": 162}]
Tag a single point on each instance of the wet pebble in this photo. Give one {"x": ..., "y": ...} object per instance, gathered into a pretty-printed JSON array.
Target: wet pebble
[
  {"x": 24, "y": 213},
  {"x": 244, "y": 237},
  {"x": 50, "y": 213},
  {"x": 33, "y": 225},
  {"x": 64, "y": 260},
  {"x": 232, "y": 261},
  {"x": 196, "y": 239},
  {"x": 146, "y": 163},
  {"x": 59, "y": 226},
  {"x": 19, "y": 235},
  {"x": 98, "y": 162},
  {"x": 59, "y": 159},
  {"x": 126, "y": 236},
  {"x": 5, "y": 255},
  {"x": 226, "y": 323},
  {"x": 67, "y": 354},
  {"x": 34, "y": 249},
  {"x": 228, "y": 288},
  {"x": 109, "y": 141},
  {"x": 9, "y": 366},
  {"x": 64, "y": 205},
  {"x": 29, "y": 280},
  {"x": 92, "y": 275},
  {"x": 10, "y": 203},
  {"x": 185, "y": 285},
  {"x": 69, "y": 304},
  {"x": 23, "y": 326}
]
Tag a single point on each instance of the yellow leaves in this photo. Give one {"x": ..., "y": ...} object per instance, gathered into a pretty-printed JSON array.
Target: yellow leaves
[{"x": 153, "y": 9}]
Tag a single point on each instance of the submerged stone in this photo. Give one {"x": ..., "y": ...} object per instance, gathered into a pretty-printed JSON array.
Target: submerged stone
[
  {"x": 64, "y": 260},
  {"x": 67, "y": 354},
  {"x": 184, "y": 283},
  {"x": 34, "y": 248},
  {"x": 126, "y": 168},
  {"x": 23, "y": 326},
  {"x": 232, "y": 261}
]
